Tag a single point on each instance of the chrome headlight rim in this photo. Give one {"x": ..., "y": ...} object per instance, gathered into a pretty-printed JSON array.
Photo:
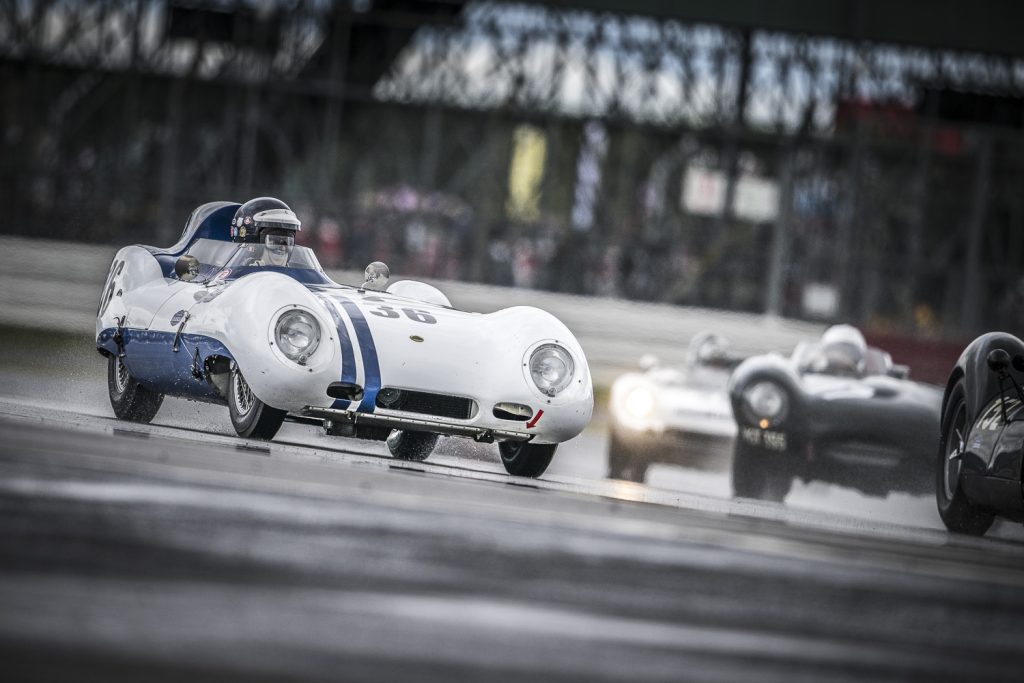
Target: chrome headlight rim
[
  {"x": 285, "y": 339},
  {"x": 765, "y": 401},
  {"x": 539, "y": 373}
]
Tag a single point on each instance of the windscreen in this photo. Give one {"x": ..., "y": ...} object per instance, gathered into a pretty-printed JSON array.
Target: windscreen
[
  {"x": 274, "y": 255},
  {"x": 276, "y": 252},
  {"x": 817, "y": 358}
]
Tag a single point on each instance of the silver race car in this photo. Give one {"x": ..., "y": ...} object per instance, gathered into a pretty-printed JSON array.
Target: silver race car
[{"x": 677, "y": 416}]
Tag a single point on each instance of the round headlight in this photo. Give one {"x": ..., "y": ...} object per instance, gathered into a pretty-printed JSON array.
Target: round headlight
[
  {"x": 766, "y": 400},
  {"x": 297, "y": 334},
  {"x": 551, "y": 368},
  {"x": 639, "y": 402}
]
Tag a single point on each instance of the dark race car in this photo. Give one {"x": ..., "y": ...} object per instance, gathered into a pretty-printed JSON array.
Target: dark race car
[
  {"x": 981, "y": 448},
  {"x": 835, "y": 411}
]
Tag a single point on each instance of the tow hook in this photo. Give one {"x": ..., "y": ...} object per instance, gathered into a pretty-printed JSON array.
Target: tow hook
[{"x": 486, "y": 436}]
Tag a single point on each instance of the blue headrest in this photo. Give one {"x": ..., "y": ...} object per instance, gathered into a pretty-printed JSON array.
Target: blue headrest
[
  {"x": 210, "y": 221},
  {"x": 216, "y": 225}
]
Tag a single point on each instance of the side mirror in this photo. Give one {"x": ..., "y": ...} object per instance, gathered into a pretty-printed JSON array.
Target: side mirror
[
  {"x": 186, "y": 268},
  {"x": 376, "y": 274},
  {"x": 998, "y": 360},
  {"x": 648, "y": 361},
  {"x": 899, "y": 371}
]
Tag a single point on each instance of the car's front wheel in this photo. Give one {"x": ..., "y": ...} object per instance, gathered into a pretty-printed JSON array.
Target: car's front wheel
[
  {"x": 756, "y": 474},
  {"x": 251, "y": 417},
  {"x": 956, "y": 511},
  {"x": 129, "y": 399},
  {"x": 524, "y": 459},
  {"x": 624, "y": 462},
  {"x": 406, "y": 445}
]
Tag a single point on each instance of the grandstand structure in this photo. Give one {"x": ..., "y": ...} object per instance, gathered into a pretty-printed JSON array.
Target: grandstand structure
[{"x": 855, "y": 160}]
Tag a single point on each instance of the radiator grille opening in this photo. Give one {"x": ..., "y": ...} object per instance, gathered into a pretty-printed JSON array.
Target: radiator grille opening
[{"x": 425, "y": 403}]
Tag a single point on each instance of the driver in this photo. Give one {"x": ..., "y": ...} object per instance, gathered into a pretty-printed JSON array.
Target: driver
[
  {"x": 269, "y": 227},
  {"x": 277, "y": 247},
  {"x": 707, "y": 348},
  {"x": 843, "y": 350}
]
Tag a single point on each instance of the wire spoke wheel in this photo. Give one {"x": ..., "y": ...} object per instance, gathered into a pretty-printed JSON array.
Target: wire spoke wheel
[
  {"x": 121, "y": 376},
  {"x": 242, "y": 396},
  {"x": 129, "y": 399},
  {"x": 251, "y": 417}
]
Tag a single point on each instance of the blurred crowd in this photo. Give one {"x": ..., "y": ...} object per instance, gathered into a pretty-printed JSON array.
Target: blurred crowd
[
  {"x": 567, "y": 262},
  {"x": 431, "y": 236}
]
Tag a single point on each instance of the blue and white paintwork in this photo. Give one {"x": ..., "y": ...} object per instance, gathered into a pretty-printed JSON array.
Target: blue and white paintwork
[{"x": 408, "y": 337}]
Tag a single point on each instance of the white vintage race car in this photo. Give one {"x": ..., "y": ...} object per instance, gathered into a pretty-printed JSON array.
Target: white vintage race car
[
  {"x": 209, "y": 320},
  {"x": 676, "y": 416}
]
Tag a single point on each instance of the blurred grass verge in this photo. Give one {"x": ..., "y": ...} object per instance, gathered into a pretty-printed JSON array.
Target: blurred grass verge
[{"x": 48, "y": 351}]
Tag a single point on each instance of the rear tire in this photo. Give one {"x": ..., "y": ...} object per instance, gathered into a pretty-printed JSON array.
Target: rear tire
[
  {"x": 522, "y": 459},
  {"x": 756, "y": 475},
  {"x": 130, "y": 400},
  {"x": 955, "y": 509},
  {"x": 251, "y": 417},
  {"x": 406, "y": 445}
]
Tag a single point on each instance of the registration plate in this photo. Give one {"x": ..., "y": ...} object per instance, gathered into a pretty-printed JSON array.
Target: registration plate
[{"x": 765, "y": 438}]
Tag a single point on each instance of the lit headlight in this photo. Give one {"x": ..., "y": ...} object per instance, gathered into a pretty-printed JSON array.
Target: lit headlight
[
  {"x": 551, "y": 368},
  {"x": 297, "y": 334},
  {"x": 766, "y": 400},
  {"x": 639, "y": 402}
]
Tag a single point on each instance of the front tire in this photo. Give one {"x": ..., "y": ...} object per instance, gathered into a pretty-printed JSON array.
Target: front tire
[
  {"x": 251, "y": 417},
  {"x": 756, "y": 474},
  {"x": 955, "y": 509},
  {"x": 522, "y": 459},
  {"x": 623, "y": 462},
  {"x": 406, "y": 445},
  {"x": 130, "y": 400}
]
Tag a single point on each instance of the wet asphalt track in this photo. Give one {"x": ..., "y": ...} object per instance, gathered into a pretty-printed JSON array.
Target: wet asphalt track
[{"x": 179, "y": 552}]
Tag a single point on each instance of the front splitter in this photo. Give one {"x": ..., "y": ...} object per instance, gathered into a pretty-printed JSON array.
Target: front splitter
[{"x": 353, "y": 418}]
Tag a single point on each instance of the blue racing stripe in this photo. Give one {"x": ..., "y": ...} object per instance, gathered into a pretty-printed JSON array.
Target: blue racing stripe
[
  {"x": 348, "y": 356},
  {"x": 371, "y": 367}
]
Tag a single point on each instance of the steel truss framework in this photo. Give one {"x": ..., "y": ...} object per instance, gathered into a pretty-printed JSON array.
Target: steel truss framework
[{"x": 913, "y": 215}]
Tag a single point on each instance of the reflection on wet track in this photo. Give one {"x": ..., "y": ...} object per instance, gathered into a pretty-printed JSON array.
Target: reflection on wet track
[{"x": 177, "y": 550}]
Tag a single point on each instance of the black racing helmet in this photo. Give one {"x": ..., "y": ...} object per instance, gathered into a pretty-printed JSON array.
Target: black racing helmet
[{"x": 262, "y": 214}]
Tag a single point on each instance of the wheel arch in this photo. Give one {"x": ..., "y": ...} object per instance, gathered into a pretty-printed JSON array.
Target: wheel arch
[
  {"x": 954, "y": 376},
  {"x": 773, "y": 368},
  {"x": 242, "y": 318},
  {"x": 980, "y": 384},
  {"x": 216, "y": 370}
]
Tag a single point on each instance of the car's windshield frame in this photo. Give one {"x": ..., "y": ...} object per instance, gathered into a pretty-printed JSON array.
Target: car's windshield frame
[
  {"x": 241, "y": 258},
  {"x": 876, "y": 361}
]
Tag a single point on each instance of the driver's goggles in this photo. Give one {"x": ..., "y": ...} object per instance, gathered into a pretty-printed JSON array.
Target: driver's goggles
[{"x": 279, "y": 243}]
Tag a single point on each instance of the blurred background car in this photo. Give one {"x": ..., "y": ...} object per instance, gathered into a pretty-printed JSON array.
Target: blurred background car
[
  {"x": 677, "y": 416},
  {"x": 837, "y": 411}
]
